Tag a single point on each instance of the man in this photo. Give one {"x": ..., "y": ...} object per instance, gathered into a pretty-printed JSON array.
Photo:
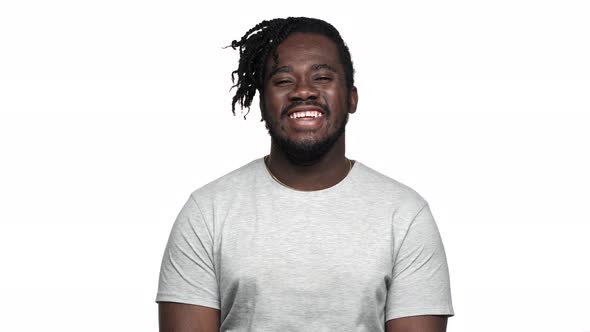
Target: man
[{"x": 303, "y": 239}]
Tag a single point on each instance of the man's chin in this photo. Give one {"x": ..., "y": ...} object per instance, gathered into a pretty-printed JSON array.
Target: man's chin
[
  {"x": 302, "y": 153},
  {"x": 308, "y": 151},
  {"x": 305, "y": 152}
]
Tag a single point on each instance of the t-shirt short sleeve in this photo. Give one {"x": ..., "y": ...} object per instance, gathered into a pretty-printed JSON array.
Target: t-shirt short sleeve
[
  {"x": 187, "y": 274},
  {"x": 420, "y": 279}
]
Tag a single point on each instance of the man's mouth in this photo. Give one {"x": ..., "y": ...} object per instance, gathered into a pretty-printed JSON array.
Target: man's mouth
[
  {"x": 308, "y": 118},
  {"x": 303, "y": 114}
]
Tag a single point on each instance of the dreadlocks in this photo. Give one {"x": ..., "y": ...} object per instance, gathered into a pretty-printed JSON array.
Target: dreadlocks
[{"x": 263, "y": 39}]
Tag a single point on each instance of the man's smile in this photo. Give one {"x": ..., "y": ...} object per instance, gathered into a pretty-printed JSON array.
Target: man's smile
[{"x": 306, "y": 120}]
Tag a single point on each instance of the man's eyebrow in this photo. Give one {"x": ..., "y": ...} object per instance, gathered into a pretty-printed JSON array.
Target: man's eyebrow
[
  {"x": 323, "y": 66},
  {"x": 283, "y": 69},
  {"x": 287, "y": 69}
]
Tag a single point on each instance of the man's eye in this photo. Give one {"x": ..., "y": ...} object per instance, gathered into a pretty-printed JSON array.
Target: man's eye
[
  {"x": 323, "y": 78},
  {"x": 282, "y": 82}
]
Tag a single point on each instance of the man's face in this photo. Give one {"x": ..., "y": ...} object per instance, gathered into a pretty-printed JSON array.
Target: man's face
[{"x": 305, "y": 102}]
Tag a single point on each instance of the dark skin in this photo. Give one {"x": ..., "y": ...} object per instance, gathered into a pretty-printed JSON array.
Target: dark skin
[
  {"x": 179, "y": 317},
  {"x": 426, "y": 323},
  {"x": 309, "y": 69}
]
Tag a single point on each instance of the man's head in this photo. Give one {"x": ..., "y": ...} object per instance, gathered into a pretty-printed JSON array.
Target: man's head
[{"x": 297, "y": 64}]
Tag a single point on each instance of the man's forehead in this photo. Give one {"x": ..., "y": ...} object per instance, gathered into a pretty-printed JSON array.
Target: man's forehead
[
  {"x": 314, "y": 50},
  {"x": 307, "y": 42}
]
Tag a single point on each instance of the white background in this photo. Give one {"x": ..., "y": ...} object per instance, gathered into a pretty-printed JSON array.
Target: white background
[{"x": 112, "y": 112}]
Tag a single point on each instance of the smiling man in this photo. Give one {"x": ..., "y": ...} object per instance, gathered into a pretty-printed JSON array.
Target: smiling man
[{"x": 303, "y": 239}]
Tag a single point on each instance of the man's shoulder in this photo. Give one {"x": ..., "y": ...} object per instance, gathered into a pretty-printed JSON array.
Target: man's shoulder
[
  {"x": 380, "y": 185},
  {"x": 234, "y": 181}
]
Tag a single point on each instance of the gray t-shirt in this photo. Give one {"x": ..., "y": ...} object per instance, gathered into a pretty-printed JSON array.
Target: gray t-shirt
[{"x": 345, "y": 258}]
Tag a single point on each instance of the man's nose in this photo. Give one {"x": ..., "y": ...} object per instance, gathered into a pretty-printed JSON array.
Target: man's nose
[{"x": 303, "y": 90}]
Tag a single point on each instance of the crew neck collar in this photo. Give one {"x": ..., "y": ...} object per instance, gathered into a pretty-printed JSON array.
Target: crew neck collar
[{"x": 342, "y": 183}]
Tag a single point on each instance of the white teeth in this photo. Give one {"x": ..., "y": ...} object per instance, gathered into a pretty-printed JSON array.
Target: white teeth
[{"x": 302, "y": 114}]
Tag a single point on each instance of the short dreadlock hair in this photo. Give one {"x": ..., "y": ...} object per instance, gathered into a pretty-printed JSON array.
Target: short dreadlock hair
[{"x": 263, "y": 39}]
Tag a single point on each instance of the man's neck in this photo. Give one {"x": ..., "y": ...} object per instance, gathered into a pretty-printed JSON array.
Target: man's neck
[{"x": 326, "y": 172}]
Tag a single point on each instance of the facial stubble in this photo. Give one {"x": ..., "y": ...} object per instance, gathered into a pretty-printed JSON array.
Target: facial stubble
[{"x": 307, "y": 151}]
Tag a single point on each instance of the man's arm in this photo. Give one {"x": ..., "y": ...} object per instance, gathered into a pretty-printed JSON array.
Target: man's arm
[
  {"x": 417, "y": 324},
  {"x": 178, "y": 317}
]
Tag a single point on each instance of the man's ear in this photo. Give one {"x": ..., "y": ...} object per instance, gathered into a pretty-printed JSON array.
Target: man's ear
[
  {"x": 354, "y": 99},
  {"x": 261, "y": 105}
]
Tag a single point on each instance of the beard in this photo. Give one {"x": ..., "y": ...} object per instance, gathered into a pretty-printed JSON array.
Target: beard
[{"x": 308, "y": 151}]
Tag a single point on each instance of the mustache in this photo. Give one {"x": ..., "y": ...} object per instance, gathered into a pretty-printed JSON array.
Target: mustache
[{"x": 306, "y": 103}]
